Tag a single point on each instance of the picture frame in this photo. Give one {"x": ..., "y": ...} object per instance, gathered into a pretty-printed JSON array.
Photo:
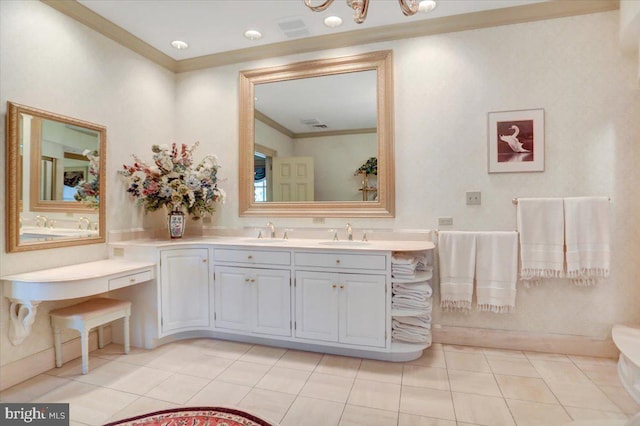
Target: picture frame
[{"x": 516, "y": 141}]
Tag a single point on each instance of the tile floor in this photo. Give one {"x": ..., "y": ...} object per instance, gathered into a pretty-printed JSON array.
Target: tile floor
[{"x": 448, "y": 386}]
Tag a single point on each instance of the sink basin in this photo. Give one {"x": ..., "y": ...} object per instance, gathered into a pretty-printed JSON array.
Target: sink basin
[{"x": 346, "y": 243}]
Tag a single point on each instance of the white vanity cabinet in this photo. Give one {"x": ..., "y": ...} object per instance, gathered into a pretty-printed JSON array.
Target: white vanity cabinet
[
  {"x": 341, "y": 307},
  {"x": 331, "y": 297},
  {"x": 335, "y": 301},
  {"x": 252, "y": 291},
  {"x": 184, "y": 289},
  {"x": 252, "y": 299}
]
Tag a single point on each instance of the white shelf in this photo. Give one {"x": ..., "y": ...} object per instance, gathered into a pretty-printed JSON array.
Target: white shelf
[
  {"x": 420, "y": 277},
  {"x": 401, "y": 347}
]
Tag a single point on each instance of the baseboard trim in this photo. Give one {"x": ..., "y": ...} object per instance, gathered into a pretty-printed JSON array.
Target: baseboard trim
[
  {"x": 23, "y": 369},
  {"x": 525, "y": 341}
]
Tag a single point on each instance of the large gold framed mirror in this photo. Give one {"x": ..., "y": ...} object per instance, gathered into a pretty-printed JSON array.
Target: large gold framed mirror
[
  {"x": 55, "y": 189},
  {"x": 316, "y": 138}
]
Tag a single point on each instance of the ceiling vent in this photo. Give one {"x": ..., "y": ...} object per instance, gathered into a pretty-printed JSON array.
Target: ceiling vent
[
  {"x": 293, "y": 27},
  {"x": 314, "y": 122}
]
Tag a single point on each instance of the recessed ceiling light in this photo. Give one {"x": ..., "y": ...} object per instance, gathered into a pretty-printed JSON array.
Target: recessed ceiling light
[
  {"x": 180, "y": 45},
  {"x": 253, "y": 34},
  {"x": 426, "y": 6},
  {"x": 333, "y": 21}
]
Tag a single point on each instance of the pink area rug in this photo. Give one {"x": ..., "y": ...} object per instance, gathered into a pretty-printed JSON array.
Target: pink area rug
[{"x": 195, "y": 416}]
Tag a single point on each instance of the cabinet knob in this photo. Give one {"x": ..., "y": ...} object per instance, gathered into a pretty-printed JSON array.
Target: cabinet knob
[
  {"x": 249, "y": 257},
  {"x": 132, "y": 280},
  {"x": 337, "y": 260},
  {"x": 334, "y": 286},
  {"x": 246, "y": 280},
  {"x": 204, "y": 260},
  {"x": 341, "y": 286},
  {"x": 253, "y": 281}
]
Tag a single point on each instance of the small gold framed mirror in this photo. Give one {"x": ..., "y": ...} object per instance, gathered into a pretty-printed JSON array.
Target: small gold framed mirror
[{"x": 55, "y": 189}]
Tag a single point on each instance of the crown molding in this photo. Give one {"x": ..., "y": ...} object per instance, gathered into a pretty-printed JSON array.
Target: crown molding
[
  {"x": 88, "y": 17},
  {"x": 469, "y": 21}
]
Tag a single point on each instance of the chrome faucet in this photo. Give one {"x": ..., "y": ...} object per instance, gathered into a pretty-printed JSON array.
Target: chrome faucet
[
  {"x": 41, "y": 219},
  {"x": 85, "y": 220},
  {"x": 349, "y": 232},
  {"x": 272, "y": 229}
]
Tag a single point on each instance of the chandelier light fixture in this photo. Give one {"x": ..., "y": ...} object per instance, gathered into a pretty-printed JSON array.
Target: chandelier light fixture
[{"x": 360, "y": 7}]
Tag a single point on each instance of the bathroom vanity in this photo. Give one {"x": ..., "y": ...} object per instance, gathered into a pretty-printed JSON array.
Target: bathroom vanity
[{"x": 327, "y": 296}]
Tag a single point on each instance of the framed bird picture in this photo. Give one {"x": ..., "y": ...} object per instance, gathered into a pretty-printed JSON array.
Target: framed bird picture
[{"x": 516, "y": 141}]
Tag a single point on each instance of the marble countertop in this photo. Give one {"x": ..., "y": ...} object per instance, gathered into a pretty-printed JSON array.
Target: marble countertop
[{"x": 275, "y": 243}]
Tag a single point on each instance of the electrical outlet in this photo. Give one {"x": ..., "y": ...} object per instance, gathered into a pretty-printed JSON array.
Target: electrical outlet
[
  {"x": 473, "y": 198},
  {"x": 445, "y": 221}
]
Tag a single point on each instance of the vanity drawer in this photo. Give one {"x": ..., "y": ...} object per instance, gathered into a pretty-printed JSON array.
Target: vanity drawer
[
  {"x": 341, "y": 260},
  {"x": 131, "y": 279},
  {"x": 253, "y": 256}
]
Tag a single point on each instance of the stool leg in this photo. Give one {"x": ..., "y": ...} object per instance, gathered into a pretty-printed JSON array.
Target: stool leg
[
  {"x": 57, "y": 346},
  {"x": 84, "y": 343},
  {"x": 126, "y": 334},
  {"x": 101, "y": 337}
]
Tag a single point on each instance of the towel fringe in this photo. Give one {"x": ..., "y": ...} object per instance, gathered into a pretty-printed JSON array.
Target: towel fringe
[
  {"x": 588, "y": 273},
  {"x": 536, "y": 273},
  {"x": 487, "y": 307},
  {"x": 455, "y": 305}
]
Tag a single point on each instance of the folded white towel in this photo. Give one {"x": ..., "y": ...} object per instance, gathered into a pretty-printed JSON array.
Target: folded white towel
[
  {"x": 416, "y": 297},
  {"x": 496, "y": 271},
  {"x": 413, "y": 288},
  {"x": 417, "y": 321},
  {"x": 587, "y": 239},
  {"x": 401, "y": 258},
  {"x": 541, "y": 228},
  {"x": 457, "y": 252},
  {"x": 409, "y": 337},
  {"x": 402, "y": 302}
]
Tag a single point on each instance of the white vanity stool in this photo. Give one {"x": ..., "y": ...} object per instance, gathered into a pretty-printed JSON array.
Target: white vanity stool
[{"x": 85, "y": 316}]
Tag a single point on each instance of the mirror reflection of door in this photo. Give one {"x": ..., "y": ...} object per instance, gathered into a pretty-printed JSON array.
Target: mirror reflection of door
[
  {"x": 263, "y": 172},
  {"x": 48, "y": 177},
  {"x": 293, "y": 179}
]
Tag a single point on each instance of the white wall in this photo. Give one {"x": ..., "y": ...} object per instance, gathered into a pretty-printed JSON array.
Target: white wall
[
  {"x": 444, "y": 87},
  {"x": 51, "y": 62}
]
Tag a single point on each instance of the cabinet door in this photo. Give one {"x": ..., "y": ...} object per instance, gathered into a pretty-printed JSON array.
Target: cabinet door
[
  {"x": 362, "y": 309},
  {"x": 184, "y": 278},
  {"x": 317, "y": 306},
  {"x": 232, "y": 298},
  {"x": 271, "y": 301}
]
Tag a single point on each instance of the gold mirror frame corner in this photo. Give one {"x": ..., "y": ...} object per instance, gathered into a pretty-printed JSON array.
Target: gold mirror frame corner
[
  {"x": 384, "y": 207},
  {"x": 12, "y": 225}
]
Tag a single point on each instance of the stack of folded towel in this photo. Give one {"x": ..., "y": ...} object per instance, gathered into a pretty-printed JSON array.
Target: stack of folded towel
[
  {"x": 412, "y": 329},
  {"x": 412, "y": 292},
  {"x": 405, "y": 265},
  {"x": 412, "y": 296}
]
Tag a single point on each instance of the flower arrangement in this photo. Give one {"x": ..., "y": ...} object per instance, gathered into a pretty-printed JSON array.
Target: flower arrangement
[
  {"x": 370, "y": 167},
  {"x": 88, "y": 191},
  {"x": 173, "y": 182}
]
